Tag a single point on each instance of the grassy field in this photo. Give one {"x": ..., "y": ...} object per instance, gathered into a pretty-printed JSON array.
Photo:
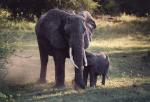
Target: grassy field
[{"x": 125, "y": 38}]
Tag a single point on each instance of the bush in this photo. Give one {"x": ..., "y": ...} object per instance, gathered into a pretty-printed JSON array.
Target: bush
[
  {"x": 30, "y": 8},
  {"x": 137, "y": 7}
]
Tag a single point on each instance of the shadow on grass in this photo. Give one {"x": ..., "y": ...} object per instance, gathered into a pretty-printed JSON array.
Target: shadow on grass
[
  {"x": 133, "y": 93},
  {"x": 115, "y": 49},
  {"x": 130, "y": 63}
]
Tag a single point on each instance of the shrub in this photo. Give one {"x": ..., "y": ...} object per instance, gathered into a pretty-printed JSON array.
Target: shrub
[{"x": 30, "y": 8}]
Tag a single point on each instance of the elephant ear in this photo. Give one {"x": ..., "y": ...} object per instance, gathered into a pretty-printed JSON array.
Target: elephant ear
[{"x": 90, "y": 23}]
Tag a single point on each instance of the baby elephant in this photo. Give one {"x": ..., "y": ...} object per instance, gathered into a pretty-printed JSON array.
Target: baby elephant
[{"x": 98, "y": 64}]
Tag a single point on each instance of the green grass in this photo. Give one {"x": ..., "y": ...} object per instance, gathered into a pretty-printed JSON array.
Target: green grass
[
  {"x": 125, "y": 38},
  {"x": 117, "y": 90}
]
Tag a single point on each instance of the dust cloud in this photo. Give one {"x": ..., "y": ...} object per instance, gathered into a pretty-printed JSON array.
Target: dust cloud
[{"x": 26, "y": 70}]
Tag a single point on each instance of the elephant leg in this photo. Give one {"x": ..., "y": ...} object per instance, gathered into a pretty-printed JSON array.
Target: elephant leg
[
  {"x": 79, "y": 78},
  {"x": 44, "y": 60},
  {"x": 95, "y": 80},
  {"x": 103, "y": 79},
  {"x": 92, "y": 79},
  {"x": 59, "y": 60},
  {"x": 85, "y": 75}
]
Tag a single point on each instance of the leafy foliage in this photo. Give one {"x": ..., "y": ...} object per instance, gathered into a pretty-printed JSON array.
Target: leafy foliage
[
  {"x": 30, "y": 8},
  {"x": 137, "y": 7}
]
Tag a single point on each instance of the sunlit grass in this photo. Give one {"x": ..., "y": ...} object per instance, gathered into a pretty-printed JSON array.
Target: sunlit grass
[
  {"x": 123, "y": 32},
  {"x": 128, "y": 18},
  {"x": 8, "y": 24},
  {"x": 4, "y": 13},
  {"x": 127, "y": 42},
  {"x": 16, "y": 25},
  {"x": 115, "y": 89}
]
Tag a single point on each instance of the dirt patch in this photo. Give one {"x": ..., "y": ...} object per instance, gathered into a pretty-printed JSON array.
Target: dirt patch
[{"x": 24, "y": 67}]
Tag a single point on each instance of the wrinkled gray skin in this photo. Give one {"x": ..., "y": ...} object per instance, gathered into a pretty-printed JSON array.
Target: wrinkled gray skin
[
  {"x": 57, "y": 31},
  {"x": 98, "y": 64}
]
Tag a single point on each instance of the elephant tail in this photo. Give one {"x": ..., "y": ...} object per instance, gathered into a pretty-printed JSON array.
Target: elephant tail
[
  {"x": 107, "y": 58},
  {"x": 107, "y": 66}
]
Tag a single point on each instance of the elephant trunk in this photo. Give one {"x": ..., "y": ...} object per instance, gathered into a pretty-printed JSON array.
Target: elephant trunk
[
  {"x": 77, "y": 56},
  {"x": 78, "y": 59}
]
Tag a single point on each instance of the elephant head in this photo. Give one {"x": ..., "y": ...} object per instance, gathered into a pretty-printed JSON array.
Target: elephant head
[
  {"x": 75, "y": 29},
  {"x": 79, "y": 28}
]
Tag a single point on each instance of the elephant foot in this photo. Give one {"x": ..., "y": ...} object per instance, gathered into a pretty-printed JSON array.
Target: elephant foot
[
  {"x": 93, "y": 86},
  {"x": 42, "y": 81},
  {"x": 78, "y": 86},
  {"x": 59, "y": 86},
  {"x": 103, "y": 82}
]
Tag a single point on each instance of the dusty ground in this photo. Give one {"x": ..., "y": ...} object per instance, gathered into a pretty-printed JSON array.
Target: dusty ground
[{"x": 24, "y": 66}]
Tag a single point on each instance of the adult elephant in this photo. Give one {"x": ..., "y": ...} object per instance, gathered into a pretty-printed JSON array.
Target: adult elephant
[{"x": 63, "y": 35}]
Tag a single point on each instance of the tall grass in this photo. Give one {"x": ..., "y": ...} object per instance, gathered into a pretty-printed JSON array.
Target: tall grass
[
  {"x": 12, "y": 32},
  {"x": 123, "y": 32}
]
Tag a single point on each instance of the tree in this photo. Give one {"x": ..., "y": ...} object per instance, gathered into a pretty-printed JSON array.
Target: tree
[{"x": 29, "y": 8}]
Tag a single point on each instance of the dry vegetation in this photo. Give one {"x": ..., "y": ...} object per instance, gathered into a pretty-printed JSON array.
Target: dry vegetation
[{"x": 125, "y": 38}]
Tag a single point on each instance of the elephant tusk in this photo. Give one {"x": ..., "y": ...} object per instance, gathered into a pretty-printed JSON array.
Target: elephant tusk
[
  {"x": 85, "y": 59},
  {"x": 71, "y": 58}
]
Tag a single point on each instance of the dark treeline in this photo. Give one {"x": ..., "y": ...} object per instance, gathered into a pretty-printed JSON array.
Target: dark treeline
[
  {"x": 137, "y": 7},
  {"x": 30, "y": 8}
]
